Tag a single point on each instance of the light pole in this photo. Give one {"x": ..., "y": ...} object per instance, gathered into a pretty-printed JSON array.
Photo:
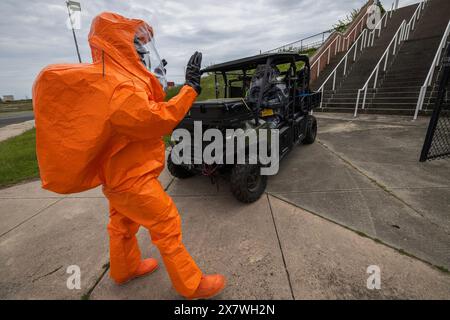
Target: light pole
[{"x": 77, "y": 6}]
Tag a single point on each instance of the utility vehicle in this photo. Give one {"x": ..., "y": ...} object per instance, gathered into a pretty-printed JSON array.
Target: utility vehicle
[{"x": 268, "y": 91}]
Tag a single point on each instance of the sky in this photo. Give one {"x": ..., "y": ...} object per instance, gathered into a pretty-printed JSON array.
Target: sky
[{"x": 33, "y": 33}]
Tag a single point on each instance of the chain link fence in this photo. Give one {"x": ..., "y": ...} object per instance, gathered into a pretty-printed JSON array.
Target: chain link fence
[{"x": 437, "y": 141}]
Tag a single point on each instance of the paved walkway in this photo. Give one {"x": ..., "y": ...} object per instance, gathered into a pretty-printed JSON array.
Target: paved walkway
[
  {"x": 13, "y": 130},
  {"x": 336, "y": 208}
]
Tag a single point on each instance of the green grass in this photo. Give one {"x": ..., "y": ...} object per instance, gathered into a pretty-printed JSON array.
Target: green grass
[
  {"x": 309, "y": 52},
  {"x": 166, "y": 140},
  {"x": 16, "y": 106},
  {"x": 208, "y": 89},
  {"x": 18, "y": 160},
  {"x": 172, "y": 92}
]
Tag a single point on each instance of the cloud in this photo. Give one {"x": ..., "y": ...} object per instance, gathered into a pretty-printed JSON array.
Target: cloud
[{"x": 33, "y": 34}]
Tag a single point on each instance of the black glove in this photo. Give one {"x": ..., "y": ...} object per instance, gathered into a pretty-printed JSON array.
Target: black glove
[{"x": 193, "y": 73}]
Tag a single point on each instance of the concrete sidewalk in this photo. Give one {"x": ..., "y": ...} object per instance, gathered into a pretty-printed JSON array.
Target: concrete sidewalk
[
  {"x": 308, "y": 238},
  {"x": 13, "y": 130}
]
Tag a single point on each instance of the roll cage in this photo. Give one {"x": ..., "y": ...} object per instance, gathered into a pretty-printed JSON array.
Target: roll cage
[{"x": 296, "y": 78}]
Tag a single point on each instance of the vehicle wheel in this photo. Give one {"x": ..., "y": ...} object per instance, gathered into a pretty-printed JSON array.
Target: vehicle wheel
[
  {"x": 247, "y": 183},
  {"x": 311, "y": 130},
  {"x": 178, "y": 171}
]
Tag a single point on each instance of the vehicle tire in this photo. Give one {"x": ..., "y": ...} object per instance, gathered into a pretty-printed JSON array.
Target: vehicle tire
[
  {"x": 247, "y": 183},
  {"x": 178, "y": 171},
  {"x": 311, "y": 130}
]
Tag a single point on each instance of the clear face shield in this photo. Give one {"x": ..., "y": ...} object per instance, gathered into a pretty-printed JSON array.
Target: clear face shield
[{"x": 146, "y": 49}]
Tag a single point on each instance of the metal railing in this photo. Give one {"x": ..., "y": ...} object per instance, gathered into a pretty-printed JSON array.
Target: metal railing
[
  {"x": 353, "y": 33},
  {"x": 430, "y": 76},
  {"x": 396, "y": 40},
  {"x": 339, "y": 44},
  {"x": 366, "y": 39},
  {"x": 300, "y": 45},
  {"x": 379, "y": 26},
  {"x": 358, "y": 45},
  {"x": 402, "y": 34}
]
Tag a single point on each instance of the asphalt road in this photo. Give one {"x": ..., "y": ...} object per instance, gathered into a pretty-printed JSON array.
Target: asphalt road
[{"x": 7, "y": 119}]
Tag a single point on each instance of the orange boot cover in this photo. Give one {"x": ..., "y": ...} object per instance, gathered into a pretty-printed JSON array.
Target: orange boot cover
[
  {"x": 148, "y": 205},
  {"x": 210, "y": 286}
]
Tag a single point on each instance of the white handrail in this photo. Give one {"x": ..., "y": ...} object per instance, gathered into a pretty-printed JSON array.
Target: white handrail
[
  {"x": 347, "y": 38},
  {"x": 367, "y": 39},
  {"x": 343, "y": 41},
  {"x": 328, "y": 49},
  {"x": 379, "y": 27},
  {"x": 402, "y": 34},
  {"x": 434, "y": 65},
  {"x": 415, "y": 17},
  {"x": 344, "y": 60},
  {"x": 394, "y": 41}
]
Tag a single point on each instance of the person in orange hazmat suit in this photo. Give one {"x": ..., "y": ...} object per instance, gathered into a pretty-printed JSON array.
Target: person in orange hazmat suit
[{"x": 139, "y": 118}]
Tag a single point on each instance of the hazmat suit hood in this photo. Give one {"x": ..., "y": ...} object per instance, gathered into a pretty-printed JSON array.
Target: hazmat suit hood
[{"x": 112, "y": 37}]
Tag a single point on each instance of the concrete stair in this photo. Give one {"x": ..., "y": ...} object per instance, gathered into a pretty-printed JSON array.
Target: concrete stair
[
  {"x": 411, "y": 65},
  {"x": 398, "y": 89},
  {"x": 327, "y": 70},
  {"x": 343, "y": 99}
]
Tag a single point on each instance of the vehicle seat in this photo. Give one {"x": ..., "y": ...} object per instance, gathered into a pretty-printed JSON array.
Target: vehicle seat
[{"x": 275, "y": 95}]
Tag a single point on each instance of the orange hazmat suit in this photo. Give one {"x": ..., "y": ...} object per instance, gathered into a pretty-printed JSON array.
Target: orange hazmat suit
[{"x": 102, "y": 124}]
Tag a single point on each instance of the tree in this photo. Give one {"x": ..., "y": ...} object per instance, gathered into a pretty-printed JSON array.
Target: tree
[{"x": 343, "y": 24}]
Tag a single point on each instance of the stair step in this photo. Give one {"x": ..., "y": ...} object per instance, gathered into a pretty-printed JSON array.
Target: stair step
[
  {"x": 341, "y": 95},
  {"x": 373, "y": 111},
  {"x": 403, "y": 84},
  {"x": 339, "y": 105},
  {"x": 418, "y": 69},
  {"x": 406, "y": 79},
  {"x": 375, "y": 103},
  {"x": 380, "y": 91},
  {"x": 398, "y": 89},
  {"x": 401, "y": 68},
  {"x": 413, "y": 89},
  {"x": 419, "y": 77},
  {"x": 396, "y": 95},
  {"x": 353, "y": 90},
  {"x": 337, "y": 110},
  {"x": 388, "y": 106},
  {"x": 377, "y": 100},
  {"x": 387, "y": 111}
]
